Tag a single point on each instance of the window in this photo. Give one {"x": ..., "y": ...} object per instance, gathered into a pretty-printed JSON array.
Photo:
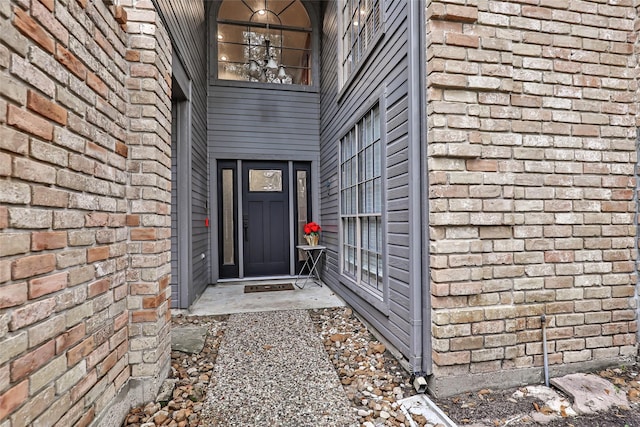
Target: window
[
  {"x": 266, "y": 41},
  {"x": 361, "y": 202},
  {"x": 361, "y": 24}
]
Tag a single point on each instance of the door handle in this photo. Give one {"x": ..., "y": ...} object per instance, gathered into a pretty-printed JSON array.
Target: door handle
[{"x": 245, "y": 227}]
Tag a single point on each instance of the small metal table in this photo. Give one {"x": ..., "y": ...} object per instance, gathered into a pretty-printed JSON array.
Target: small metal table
[{"x": 312, "y": 262}]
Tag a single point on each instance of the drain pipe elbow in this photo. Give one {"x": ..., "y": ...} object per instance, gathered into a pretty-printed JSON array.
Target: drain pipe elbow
[{"x": 419, "y": 381}]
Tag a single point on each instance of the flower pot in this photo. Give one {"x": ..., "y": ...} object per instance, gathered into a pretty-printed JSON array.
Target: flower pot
[{"x": 312, "y": 239}]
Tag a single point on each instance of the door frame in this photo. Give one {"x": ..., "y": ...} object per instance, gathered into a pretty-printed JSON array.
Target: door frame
[
  {"x": 217, "y": 242},
  {"x": 181, "y": 100},
  {"x": 283, "y": 195}
]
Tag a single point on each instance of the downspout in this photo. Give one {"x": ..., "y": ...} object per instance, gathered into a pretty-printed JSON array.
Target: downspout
[
  {"x": 424, "y": 187},
  {"x": 414, "y": 44}
]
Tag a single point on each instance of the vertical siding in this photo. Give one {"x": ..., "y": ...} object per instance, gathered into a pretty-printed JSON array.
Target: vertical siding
[
  {"x": 386, "y": 67},
  {"x": 185, "y": 21}
]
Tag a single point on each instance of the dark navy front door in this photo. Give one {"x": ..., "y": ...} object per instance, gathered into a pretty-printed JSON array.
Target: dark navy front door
[{"x": 265, "y": 218}]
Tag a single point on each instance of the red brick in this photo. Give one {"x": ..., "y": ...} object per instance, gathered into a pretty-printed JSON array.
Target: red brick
[
  {"x": 81, "y": 350},
  {"x": 144, "y": 234},
  {"x": 96, "y": 83},
  {"x": 70, "y": 337},
  {"x": 46, "y": 108},
  {"x": 13, "y": 398},
  {"x": 47, "y": 285},
  {"x": 121, "y": 320},
  {"x": 144, "y": 316},
  {"x": 107, "y": 364},
  {"x": 456, "y": 39},
  {"x": 48, "y": 240},
  {"x": 4, "y": 217},
  {"x": 559, "y": 256},
  {"x": 48, "y": 4},
  {"x": 153, "y": 302},
  {"x": 72, "y": 63},
  {"x": 133, "y": 220},
  {"x": 482, "y": 165},
  {"x": 122, "y": 149},
  {"x": 30, "y": 123},
  {"x": 585, "y": 130},
  {"x": 132, "y": 55},
  {"x": 86, "y": 418},
  {"x": 144, "y": 70},
  {"x": 31, "y": 29},
  {"x": 97, "y": 254},
  {"x": 30, "y": 362},
  {"x": 616, "y": 207},
  {"x": 32, "y": 266},
  {"x": 615, "y": 195},
  {"x": 164, "y": 282},
  {"x": 460, "y": 13},
  {"x": 98, "y": 287},
  {"x": 121, "y": 15},
  {"x": 12, "y": 295}
]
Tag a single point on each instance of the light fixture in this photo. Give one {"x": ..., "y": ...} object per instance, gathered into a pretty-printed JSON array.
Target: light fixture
[
  {"x": 220, "y": 37},
  {"x": 262, "y": 62},
  {"x": 223, "y": 58}
]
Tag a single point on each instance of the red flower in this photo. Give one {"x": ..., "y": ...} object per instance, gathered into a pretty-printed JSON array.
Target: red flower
[{"x": 311, "y": 228}]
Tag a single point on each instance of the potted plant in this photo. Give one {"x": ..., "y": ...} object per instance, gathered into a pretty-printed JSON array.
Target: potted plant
[{"x": 312, "y": 233}]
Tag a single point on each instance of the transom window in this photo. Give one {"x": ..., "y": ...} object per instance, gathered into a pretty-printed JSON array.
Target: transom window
[
  {"x": 361, "y": 202},
  {"x": 361, "y": 24},
  {"x": 266, "y": 41}
]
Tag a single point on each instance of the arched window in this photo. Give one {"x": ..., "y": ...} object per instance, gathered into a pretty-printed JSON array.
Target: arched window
[{"x": 265, "y": 41}]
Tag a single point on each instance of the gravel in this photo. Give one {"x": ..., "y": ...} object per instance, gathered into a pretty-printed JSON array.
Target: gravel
[
  {"x": 271, "y": 370},
  {"x": 369, "y": 380}
]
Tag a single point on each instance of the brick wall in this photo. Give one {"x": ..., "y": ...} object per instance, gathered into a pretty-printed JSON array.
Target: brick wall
[
  {"x": 84, "y": 210},
  {"x": 532, "y": 156}
]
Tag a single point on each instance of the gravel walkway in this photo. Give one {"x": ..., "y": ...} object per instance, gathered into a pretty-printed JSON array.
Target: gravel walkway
[{"x": 272, "y": 370}]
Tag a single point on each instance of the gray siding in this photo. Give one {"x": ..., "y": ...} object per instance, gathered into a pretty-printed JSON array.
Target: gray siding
[
  {"x": 259, "y": 123},
  {"x": 383, "y": 76},
  {"x": 185, "y": 21}
]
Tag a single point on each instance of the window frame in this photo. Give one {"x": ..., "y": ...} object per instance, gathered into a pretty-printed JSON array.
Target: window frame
[
  {"x": 213, "y": 53},
  {"x": 376, "y": 297},
  {"x": 345, "y": 81}
]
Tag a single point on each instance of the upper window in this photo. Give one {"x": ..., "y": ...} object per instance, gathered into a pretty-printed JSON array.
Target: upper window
[
  {"x": 361, "y": 203},
  {"x": 361, "y": 24},
  {"x": 266, "y": 41}
]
